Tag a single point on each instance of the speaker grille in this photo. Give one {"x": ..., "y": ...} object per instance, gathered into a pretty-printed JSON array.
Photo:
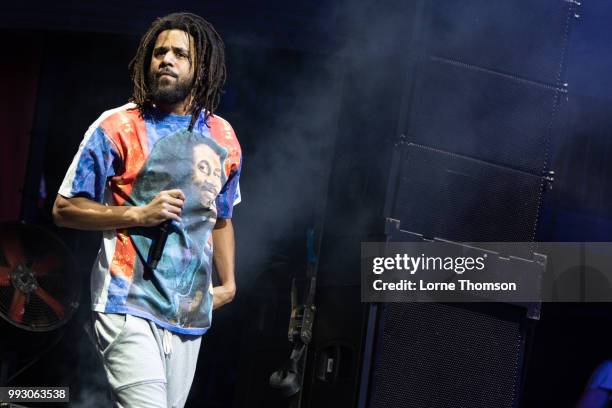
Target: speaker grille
[
  {"x": 444, "y": 195},
  {"x": 527, "y": 39},
  {"x": 436, "y": 355},
  {"x": 475, "y": 113}
]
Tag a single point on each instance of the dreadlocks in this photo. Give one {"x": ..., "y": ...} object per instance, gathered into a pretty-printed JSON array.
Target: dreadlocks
[{"x": 209, "y": 70}]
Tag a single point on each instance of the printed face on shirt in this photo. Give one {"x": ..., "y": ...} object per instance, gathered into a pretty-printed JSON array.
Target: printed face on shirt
[
  {"x": 206, "y": 174},
  {"x": 171, "y": 68}
]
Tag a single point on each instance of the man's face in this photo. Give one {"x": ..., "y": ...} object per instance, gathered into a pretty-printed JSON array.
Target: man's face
[
  {"x": 206, "y": 174},
  {"x": 171, "y": 69}
]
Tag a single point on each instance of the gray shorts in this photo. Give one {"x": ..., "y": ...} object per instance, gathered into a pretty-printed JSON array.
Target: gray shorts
[{"x": 146, "y": 366}]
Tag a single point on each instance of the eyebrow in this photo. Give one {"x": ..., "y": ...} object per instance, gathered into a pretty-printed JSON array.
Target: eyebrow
[{"x": 175, "y": 49}]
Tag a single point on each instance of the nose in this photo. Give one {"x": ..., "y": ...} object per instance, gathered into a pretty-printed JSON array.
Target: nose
[{"x": 169, "y": 58}]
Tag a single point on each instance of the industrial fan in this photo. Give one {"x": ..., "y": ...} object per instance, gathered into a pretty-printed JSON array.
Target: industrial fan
[{"x": 39, "y": 286}]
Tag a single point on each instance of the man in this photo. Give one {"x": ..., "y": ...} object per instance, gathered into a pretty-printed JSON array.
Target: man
[
  {"x": 206, "y": 173},
  {"x": 598, "y": 392},
  {"x": 162, "y": 159}
]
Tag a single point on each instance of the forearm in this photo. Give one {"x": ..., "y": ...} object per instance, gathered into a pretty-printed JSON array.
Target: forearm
[
  {"x": 82, "y": 213},
  {"x": 223, "y": 256}
]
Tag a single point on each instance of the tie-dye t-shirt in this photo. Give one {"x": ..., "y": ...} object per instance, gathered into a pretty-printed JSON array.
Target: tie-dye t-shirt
[{"x": 127, "y": 158}]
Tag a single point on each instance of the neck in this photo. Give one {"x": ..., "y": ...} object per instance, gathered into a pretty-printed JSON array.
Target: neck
[{"x": 180, "y": 108}]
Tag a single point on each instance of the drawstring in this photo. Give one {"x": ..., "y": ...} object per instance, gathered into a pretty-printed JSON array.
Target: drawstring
[{"x": 167, "y": 342}]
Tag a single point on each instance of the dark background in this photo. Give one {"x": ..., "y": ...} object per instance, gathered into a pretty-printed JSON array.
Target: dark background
[{"x": 318, "y": 93}]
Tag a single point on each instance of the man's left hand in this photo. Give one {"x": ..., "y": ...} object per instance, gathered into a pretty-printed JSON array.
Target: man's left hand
[{"x": 222, "y": 295}]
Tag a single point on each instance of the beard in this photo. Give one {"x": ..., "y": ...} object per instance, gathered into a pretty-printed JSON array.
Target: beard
[
  {"x": 207, "y": 194},
  {"x": 168, "y": 92},
  {"x": 204, "y": 194}
]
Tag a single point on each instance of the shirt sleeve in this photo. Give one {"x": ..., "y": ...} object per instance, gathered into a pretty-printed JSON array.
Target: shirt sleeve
[
  {"x": 96, "y": 160},
  {"x": 229, "y": 195},
  {"x": 602, "y": 377}
]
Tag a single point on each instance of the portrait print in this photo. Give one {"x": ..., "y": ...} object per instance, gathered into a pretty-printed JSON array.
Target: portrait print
[{"x": 192, "y": 162}]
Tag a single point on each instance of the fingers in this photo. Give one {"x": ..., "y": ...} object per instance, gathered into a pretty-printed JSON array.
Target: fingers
[
  {"x": 172, "y": 201},
  {"x": 176, "y": 193},
  {"x": 171, "y": 208},
  {"x": 175, "y": 202},
  {"x": 167, "y": 205},
  {"x": 169, "y": 215}
]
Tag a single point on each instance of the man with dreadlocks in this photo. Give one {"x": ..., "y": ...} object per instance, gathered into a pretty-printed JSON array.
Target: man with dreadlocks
[{"x": 164, "y": 159}]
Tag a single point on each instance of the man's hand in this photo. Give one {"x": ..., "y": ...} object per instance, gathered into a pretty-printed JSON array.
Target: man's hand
[
  {"x": 83, "y": 213},
  {"x": 223, "y": 294},
  {"x": 167, "y": 205}
]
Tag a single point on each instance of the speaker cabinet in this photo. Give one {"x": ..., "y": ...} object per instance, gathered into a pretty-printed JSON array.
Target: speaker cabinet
[{"x": 444, "y": 356}]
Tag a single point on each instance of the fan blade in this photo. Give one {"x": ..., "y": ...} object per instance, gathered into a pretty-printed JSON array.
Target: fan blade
[
  {"x": 12, "y": 250},
  {"x": 43, "y": 266},
  {"x": 5, "y": 278},
  {"x": 17, "y": 306},
  {"x": 50, "y": 301}
]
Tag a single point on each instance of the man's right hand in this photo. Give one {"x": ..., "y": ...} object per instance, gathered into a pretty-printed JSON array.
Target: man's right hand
[{"x": 167, "y": 205}]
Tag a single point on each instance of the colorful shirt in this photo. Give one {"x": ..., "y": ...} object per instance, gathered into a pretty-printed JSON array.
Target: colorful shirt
[{"x": 127, "y": 158}]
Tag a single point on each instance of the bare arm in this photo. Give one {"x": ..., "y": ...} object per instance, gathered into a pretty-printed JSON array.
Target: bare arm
[
  {"x": 86, "y": 214},
  {"x": 223, "y": 256}
]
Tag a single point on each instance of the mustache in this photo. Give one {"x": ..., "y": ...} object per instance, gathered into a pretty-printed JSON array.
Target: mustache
[
  {"x": 205, "y": 186},
  {"x": 166, "y": 72},
  {"x": 209, "y": 187}
]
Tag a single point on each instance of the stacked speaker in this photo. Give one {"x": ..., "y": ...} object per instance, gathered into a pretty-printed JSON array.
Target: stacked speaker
[{"x": 486, "y": 103}]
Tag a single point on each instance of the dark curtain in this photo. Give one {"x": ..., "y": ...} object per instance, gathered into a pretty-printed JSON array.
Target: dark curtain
[{"x": 18, "y": 81}]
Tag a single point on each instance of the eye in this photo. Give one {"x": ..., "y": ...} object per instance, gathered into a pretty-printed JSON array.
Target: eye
[{"x": 204, "y": 167}]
